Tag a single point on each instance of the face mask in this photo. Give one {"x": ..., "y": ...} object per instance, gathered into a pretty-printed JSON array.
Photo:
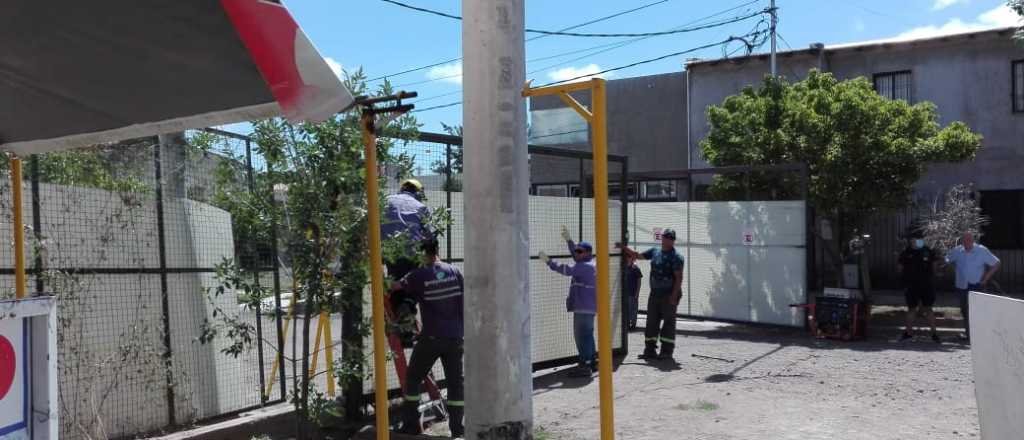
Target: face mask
[{"x": 919, "y": 243}]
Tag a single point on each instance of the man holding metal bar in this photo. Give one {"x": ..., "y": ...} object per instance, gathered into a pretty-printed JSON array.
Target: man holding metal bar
[
  {"x": 582, "y": 300},
  {"x": 666, "y": 290}
]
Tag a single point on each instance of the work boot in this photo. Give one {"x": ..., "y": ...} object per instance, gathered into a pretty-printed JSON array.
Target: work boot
[
  {"x": 936, "y": 338},
  {"x": 455, "y": 421},
  {"x": 666, "y": 351},
  {"x": 410, "y": 419},
  {"x": 650, "y": 351},
  {"x": 905, "y": 336}
]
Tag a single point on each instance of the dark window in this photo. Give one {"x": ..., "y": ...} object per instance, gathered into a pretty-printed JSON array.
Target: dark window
[
  {"x": 895, "y": 85},
  {"x": 658, "y": 190},
  {"x": 1005, "y": 211},
  {"x": 1018, "y": 86},
  {"x": 615, "y": 194}
]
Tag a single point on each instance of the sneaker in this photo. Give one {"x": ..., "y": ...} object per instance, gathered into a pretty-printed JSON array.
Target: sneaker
[
  {"x": 593, "y": 367},
  {"x": 905, "y": 336},
  {"x": 935, "y": 338},
  {"x": 580, "y": 371}
]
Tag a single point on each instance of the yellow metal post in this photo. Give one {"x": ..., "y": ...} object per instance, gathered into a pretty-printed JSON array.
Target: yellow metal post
[
  {"x": 316, "y": 345},
  {"x": 604, "y": 319},
  {"x": 376, "y": 279},
  {"x": 19, "y": 230},
  {"x": 329, "y": 354},
  {"x": 284, "y": 337},
  {"x": 597, "y": 116}
]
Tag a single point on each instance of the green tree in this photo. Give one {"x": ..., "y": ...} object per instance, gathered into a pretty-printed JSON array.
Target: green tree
[
  {"x": 318, "y": 170},
  {"x": 1018, "y": 7},
  {"x": 452, "y": 183},
  {"x": 864, "y": 152}
]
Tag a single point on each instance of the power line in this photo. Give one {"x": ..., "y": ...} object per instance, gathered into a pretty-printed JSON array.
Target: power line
[
  {"x": 558, "y": 134},
  {"x": 597, "y": 20},
  {"x": 749, "y": 45},
  {"x": 615, "y": 45},
  {"x": 751, "y": 41},
  {"x": 575, "y": 34},
  {"x": 451, "y": 104}
]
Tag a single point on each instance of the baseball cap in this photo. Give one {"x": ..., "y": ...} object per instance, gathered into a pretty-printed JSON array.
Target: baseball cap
[
  {"x": 585, "y": 246},
  {"x": 669, "y": 234}
]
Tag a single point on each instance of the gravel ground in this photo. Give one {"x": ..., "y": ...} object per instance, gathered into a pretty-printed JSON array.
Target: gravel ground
[{"x": 774, "y": 384}]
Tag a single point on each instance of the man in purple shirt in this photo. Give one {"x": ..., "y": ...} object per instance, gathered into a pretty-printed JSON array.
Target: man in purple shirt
[
  {"x": 437, "y": 287},
  {"x": 581, "y": 302}
]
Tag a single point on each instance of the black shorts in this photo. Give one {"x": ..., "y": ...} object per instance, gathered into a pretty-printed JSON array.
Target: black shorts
[{"x": 920, "y": 295}]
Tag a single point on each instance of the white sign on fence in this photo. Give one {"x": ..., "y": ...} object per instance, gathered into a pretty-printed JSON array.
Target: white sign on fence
[
  {"x": 28, "y": 369},
  {"x": 13, "y": 379},
  {"x": 657, "y": 234}
]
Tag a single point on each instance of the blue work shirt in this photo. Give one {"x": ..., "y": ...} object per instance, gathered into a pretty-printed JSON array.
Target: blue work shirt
[
  {"x": 439, "y": 291},
  {"x": 664, "y": 266},
  {"x": 582, "y": 297},
  {"x": 405, "y": 214},
  {"x": 970, "y": 265}
]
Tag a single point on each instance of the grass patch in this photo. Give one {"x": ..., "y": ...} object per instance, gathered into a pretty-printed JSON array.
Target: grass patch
[
  {"x": 699, "y": 405},
  {"x": 539, "y": 433}
]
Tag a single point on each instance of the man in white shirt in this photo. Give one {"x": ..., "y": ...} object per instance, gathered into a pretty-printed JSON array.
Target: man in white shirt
[{"x": 975, "y": 265}]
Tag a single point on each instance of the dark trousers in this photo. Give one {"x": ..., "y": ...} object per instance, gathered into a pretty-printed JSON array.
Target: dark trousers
[
  {"x": 427, "y": 351},
  {"x": 965, "y": 305},
  {"x": 661, "y": 323}
]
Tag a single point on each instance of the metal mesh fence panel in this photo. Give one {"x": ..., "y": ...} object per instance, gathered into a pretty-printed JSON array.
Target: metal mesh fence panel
[
  {"x": 127, "y": 237},
  {"x": 743, "y": 240}
]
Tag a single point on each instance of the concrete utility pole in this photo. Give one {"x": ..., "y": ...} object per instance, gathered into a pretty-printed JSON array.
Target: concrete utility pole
[
  {"x": 498, "y": 377},
  {"x": 775, "y": 21}
]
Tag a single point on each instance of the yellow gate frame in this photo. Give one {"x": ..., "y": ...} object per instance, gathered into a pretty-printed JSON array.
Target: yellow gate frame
[
  {"x": 597, "y": 116},
  {"x": 18, "y": 229}
]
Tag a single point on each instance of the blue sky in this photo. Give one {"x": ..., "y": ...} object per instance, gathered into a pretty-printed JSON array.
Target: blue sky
[{"x": 384, "y": 39}]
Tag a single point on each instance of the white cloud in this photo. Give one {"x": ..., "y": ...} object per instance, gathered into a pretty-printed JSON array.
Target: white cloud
[
  {"x": 335, "y": 66},
  {"x": 448, "y": 73},
  {"x": 590, "y": 71},
  {"x": 1002, "y": 16},
  {"x": 943, "y": 4}
]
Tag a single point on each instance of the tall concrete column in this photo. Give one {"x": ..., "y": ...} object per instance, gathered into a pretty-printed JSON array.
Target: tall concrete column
[{"x": 499, "y": 386}]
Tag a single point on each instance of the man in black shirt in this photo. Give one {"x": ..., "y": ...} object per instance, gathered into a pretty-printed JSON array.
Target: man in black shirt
[{"x": 918, "y": 263}]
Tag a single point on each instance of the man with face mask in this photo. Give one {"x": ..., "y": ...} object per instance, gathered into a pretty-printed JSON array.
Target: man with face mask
[{"x": 918, "y": 263}]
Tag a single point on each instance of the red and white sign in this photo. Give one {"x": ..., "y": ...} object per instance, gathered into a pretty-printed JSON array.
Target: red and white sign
[
  {"x": 13, "y": 379},
  {"x": 657, "y": 234},
  {"x": 748, "y": 237}
]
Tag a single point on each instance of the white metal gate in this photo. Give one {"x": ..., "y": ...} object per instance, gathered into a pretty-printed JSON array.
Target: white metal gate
[{"x": 745, "y": 261}]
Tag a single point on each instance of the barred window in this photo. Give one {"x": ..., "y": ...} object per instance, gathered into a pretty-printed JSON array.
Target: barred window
[{"x": 895, "y": 85}]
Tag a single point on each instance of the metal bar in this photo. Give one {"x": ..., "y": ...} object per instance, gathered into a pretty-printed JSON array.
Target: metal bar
[
  {"x": 575, "y": 105},
  {"x": 164, "y": 300},
  {"x": 277, "y": 298},
  {"x": 561, "y": 88},
  {"x": 376, "y": 279},
  {"x": 439, "y": 138},
  {"x": 18, "y": 229},
  {"x": 600, "y": 148},
  {"x": 229, "y": 134},
  {"x": 37, "y": 220},
  {"x": 623, "y": 238},
  {"x": 448, "y": 197},
  {"x": 124, "y": 270},
  {"x": 579, "y": 216},
  {"x": 329, "y": 354},
  {"x": 256, "y": 274}
]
